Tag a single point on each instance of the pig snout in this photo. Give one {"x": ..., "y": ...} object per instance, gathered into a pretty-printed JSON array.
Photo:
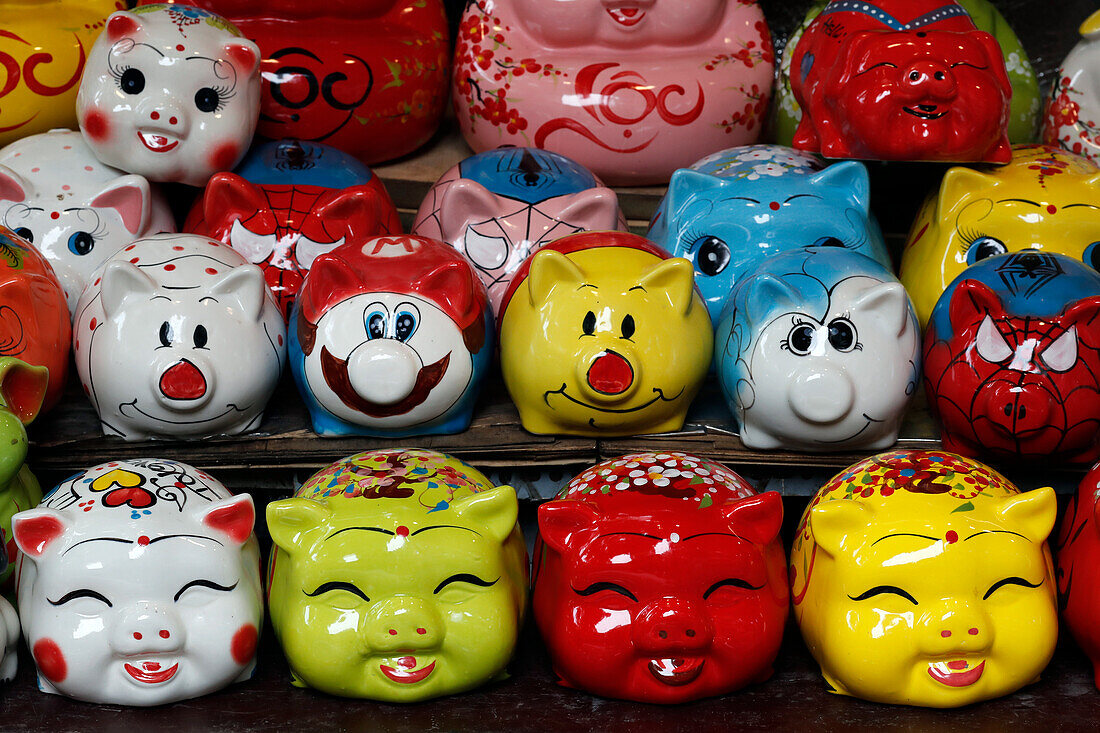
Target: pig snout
[
  {"x": 383, "y": 371},
  {"x": 163, "y": 114},
  {"x": 821, "y": 395},
  {"x": 148, "y": 628},
  {"x": 609, "y": 376},
  {"x": 1012, "y": 408},
  {"x": 186, "y": 384},
  {"x": 402, "y": 623},
  {"x": 928, "y": 79},
  {"x": 670, "y": 625},
  {"x": 956, "y": 625}
]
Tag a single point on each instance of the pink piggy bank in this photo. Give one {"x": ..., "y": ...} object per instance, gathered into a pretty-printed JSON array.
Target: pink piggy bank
[{"x": 632, "y": 89}]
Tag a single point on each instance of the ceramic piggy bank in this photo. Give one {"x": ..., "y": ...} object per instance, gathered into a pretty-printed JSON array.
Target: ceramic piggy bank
[
  {"x": 1072, "y": 117},
  {"x": 289, "y": 202},
  {"x": 44, "y": 47},
  {"x": 171, "y": 93},
  {"x": 733, "y": 209},
  {"x": 901, "y": 80},
  {"x": 34, "y": 319},
  {"x": 633, "y": 90},
  {"x": 1045, "y": 199},
  {"x": 802, "y": 338},
  {"x": 178, "y": 336},
  {"x": 500, "y": 206},
  {"x": 396, "y": 575},
  {"x": 602, "y": 333},
  {"x": 139, "y": 584},
  {"x": 1078, "y": 572},
  {"x": 637, "y": 594},
  {"x": 924, "y": 578},
  {"x": 365, "y": 76},
  {"x": 1012, "y": 360},
  {"x": 9, "y": 633},
  {"x": 22, "y": 387},
  {"x": 76, "y": 211},
  {"x": 391, "y": 337}
]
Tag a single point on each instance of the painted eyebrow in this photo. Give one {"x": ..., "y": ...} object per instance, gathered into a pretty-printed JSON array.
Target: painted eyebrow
[
  {"x": 80, "y": 593},
  {"x": 444, "y": 526},
  {"x": 638, "y": 287},
  {"x": 203, "y": 583},
  {"x": 995, "y": 531},
  {"x": 159, "y": 52},
  {"x": 1091, "y": 206},
  {"x": 801, "y": 196},
  {"x": 99, "y": 539},
  {"x": 631, "y": 534},
  {"x": 719, "y": 534},
  {"x": 364, "y": 529},
  {"x": 741, "y": 198},
  {"x": 905, "y": 534},
  {"x": 587, "y": 285},
  {"x": 1019, "y": 201},
  {"x": 195, "y": 536},
  {"x": 464, "y": 578}
]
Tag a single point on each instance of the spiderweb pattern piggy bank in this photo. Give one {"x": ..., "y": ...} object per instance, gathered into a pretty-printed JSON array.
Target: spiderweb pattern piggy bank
[
  {"x": 139, "y": 584},
  {"x": 178, "y": 336},
  {"x": 170, "y": 92},
  {"x": 34, "y": 320},
  {"x": 76, "y": 211},
  {"x": 924, "y": 578},
  {"x": 397, "y": 575},
  {"x": 1072, "y": 117},
  {"x": 602, "y": 333},
  {"x": 900, "y": 80},
  {"x": 659, "y": 577},
  {"x": 736, "y": 207},
  {"x": 288, "y": 203},
  {"x": 1045, "y": 199},
  {"x": 819, "y": 350},
  {"x": 632, "y": 90},
  {"x": 500, "y": 206},
  {"x": 1078, "y": 572},
  {"x": 1012, "y": 360},
  {"x": 391, "y": 336}
]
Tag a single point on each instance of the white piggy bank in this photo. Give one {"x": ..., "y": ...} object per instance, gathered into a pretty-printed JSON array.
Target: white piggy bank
[
  {"x": 1072, "y": 117},
  {"x": 9, "y": 632},
  {"x": 170, "y": 92},
  {"x": 139, "y": 584},
  {"x": 818, "y": 349},
  {"x": 178, "y": 336},
  {"x": 76, "y": 211}
]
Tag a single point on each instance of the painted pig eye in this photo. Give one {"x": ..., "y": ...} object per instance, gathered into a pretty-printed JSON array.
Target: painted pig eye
[
  {"x": 880, "y": 590},
  {"x": 200, "y": 337},
  {"x": 842, "y": 334},
  {"x": 613, "y": 587},
  {"x": 80, "y": 593},
  {"x": 202, "y": 583},
  {"x": 1014, "y": 580},
  {"x": 81, "y": 243},
  {"x": 166, "y": 334},
  {"x": 628, "y": 326},
  {"x": 132, "y": 81},
  {"x": 714, "y": 255},
  {"x": 801, "y": 339},
  {"x": 336, "y": 585},
  {"x": 25, "y": 233},
  {"x": 207, "y": 100},
  {"x": 730, "y": 583},
  {"x": 464, "y": 578},
  {"x": 1091, "y": 256},
  {"x": 984, "y": 247},
  {"x": 376, "y": 325},
  {"x": 589, "y": 323},
  {"x": 404, "y": 325}
]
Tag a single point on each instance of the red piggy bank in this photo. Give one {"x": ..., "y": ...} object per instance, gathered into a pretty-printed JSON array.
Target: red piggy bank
[
  {"x": 1012, "y": 359},
  {"x": 1078, "y": 572},
  {"x": 901, "y": 80},
  {"x": 659, "y": 577},
  {"x": 366, "y": 76}
]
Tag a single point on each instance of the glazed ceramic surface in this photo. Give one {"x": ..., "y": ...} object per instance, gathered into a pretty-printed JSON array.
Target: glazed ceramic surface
[
  {"x": 171, "y": 93},
  {"x": 177, "y": 336},
  {"x": 139, "y": 584},
  {"x": 1072, "y": 118},
  {"x": 289, "y": 202},
  {"x": 1012, "y": 360},
  {"x": 818, "y": 350},
  {"x": 601, "y": 333},
  {"x": 1045, "y": 199},
  {"x": 9, "y": 639},
  {"x": 22, "y": 388},
  {"x": 924, "y": 578},
  {"x": 736, "y": 207},
  {"x": 391, "y": 336},
  {"x": 397, "y": 575},
  {"x": 34, "y": 320},
  {"x": 43, "y": 51},
  {"x": 1026, "y": 102},
  {"x": 365, "y": 76},
  {"x": 631, "y": 90},
  {"x": 502, "y": 205},
  {"x": 659, "y": 577},
  {"x": 901, "y": 80},
  {"x": 1078, "y": 572},
  {"x": 76, "y": 211}
]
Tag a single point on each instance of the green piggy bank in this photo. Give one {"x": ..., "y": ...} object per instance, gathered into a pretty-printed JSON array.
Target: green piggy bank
[
  {"x": 396, "y": 575},
  {"x": 22, "y": 388}
]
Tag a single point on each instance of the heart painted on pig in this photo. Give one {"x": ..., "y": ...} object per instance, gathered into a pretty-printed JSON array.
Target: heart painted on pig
[{"x": 134, "y": 497}]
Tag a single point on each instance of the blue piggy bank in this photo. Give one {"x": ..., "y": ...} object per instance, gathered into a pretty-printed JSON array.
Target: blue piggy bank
[{"x": 731, "y": 210}]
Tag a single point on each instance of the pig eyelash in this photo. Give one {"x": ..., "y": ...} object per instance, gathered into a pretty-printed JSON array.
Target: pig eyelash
[
  {"x": 690, "y": 237},
  {"x": 225, "y": 93},
  {"x": 117, "y": 71},
  {"x": 785, "y": 345},
  {"x": 967, "y": 238}
]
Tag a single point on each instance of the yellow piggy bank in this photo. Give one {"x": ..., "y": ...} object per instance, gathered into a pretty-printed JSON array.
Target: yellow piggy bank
[
  {"x": 603, "y": 334},
  {"x": 924, "y": 578},
  {"x": 1046, "y": 198},
  {"x": 42, "y": 50}
]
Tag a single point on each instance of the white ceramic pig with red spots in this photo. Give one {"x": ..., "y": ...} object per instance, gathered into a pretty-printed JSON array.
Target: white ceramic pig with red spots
[
  {"x": 139, "y": 584},
  {"x": 170, "y": 92},
  {"x": 178, "y": 336}
]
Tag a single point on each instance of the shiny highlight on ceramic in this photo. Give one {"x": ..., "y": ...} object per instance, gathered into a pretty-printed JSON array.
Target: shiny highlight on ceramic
[{"x": 1072, "y": 118}]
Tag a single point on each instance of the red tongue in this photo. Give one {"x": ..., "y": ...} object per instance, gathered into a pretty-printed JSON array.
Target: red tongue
[
  {"x": 961, "y": 664},
  {"x": 629, "y": 12},
  {"x": 183, "y": 381},
  {"x": 610, "y": 374},
  {"x": 407, "y": 662},
  {"x": 151, "y": 666}
]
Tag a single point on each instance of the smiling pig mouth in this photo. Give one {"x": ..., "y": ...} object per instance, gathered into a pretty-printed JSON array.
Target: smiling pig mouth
[
  {"x": 151, "y": 673},
  {"x": 676, "y": 671},
  {"x": 627, "y": 16},
  {"x": 957, "y": 673},
  {"x": 406, "y": 672}
]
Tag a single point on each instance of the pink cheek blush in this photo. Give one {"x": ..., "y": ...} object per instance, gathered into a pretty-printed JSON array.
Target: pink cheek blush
[
  {"x": 95, "y": 126},
  {"x": 225, "y": 156},
  {"x": 243, "y": 645},
  {"x": 50, "y": 660}
]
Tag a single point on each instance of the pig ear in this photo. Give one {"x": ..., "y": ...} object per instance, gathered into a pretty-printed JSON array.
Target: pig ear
[
  {"x": 549, "y": 269},
  {"x": 496, "y": 510},
  {"x": 244, "y": 54},
  {"x": 243, "y": 287},
  {"x": 959, "y": 183},
  {"x": 234, "y": 517},
  {"x": 454, "y": 285},
  {"x": 675, "y": 279},
  {"x": 355, "y": 212},
  {"x": 996, "y": 59},
  {"x": 1031, "y": 513},
  {"x": 850, "y": 176},
  {"x": 971, "y": 302},
  {"x": 123, "y": 25},
  {"x": 13, "y": 187},
  {"x": 565, "y": 524},
  {"x": 292, "y": 523},
  {"x": 888, "y": 302},
  {"x": 766, "y": 295},
  {"x": 130, "y": 196},
  {"x": 229, "y": 197},
  {"x": 466, "y": 202},
  {"x": 22, "y": 387},
  {"x": 1091, "y": 27},
  {"x": 596, "y": 209},
  {"x": 35, "y": 529},
  {"x": 756, "y": 518},
  {"x": 331, "y": 279},
  {"x": 832, "y": 522},
  {"x": 686, "y": 184},
  {"x": 1082, "y": 312},
  {"x": 121, "y": 280}
]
